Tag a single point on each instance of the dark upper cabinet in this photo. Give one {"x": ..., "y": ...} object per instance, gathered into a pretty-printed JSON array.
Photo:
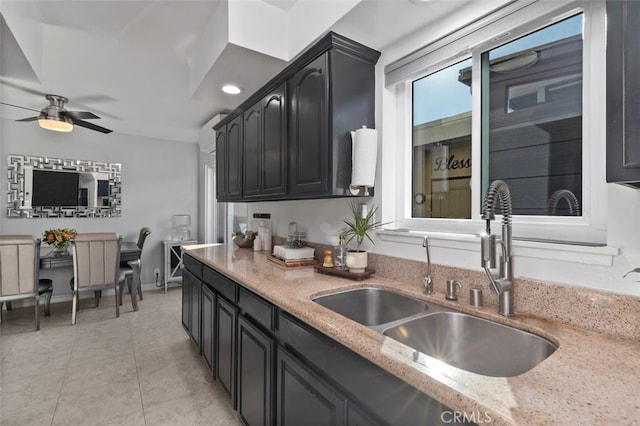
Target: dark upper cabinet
[
  {"x": 623, "y": 92},
  {"x": 329, "y": 97},
  {"x": 274, "y": 149},
  {"x": 234, "y": 161},
  {"x": 297, "y": 135},
  {"x": 252, "y": 127},
  {"x": 309, "y": 129},
  {"x": 265, "y": 147},
  {"x": 221, "y": 164}
]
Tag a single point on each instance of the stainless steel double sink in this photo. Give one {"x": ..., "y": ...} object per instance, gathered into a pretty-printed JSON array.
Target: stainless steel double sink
[{"x": 464, "y": 341}]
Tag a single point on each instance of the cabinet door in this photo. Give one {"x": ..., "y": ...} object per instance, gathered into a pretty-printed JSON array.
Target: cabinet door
[
  {"x": 309, "y": 129},
  {"x": 274, "y": 140},
  {"x": 225, "y": 346},
  {"x": 195, "y": 308},
  {"x": 623, "y": 92},
  {"x": 255, "y": 374},
  {"x": 303, "y": 398},
  {"x": 252, "y": 169},
  {"x": 208, "y": 325},
  {"x": 234, "y": 159},
  {"x": 221, "y": 164},
  {"x": 187, "y": 279}
]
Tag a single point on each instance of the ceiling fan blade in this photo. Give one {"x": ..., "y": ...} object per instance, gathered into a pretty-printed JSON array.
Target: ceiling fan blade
[
  {"x": 21, "y": 87},
  {"x": 79, "y": 115},
  {"x": 91, "y": 126},
  {"x": 28, "y": 119},
  {"x": 18, "y": 106}
]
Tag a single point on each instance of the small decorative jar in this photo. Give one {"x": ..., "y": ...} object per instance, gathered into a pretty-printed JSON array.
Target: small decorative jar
[{"x": 328, "y": 259}]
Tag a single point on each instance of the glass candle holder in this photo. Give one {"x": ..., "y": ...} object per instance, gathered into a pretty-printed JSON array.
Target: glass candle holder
[{"x": 340, "y": 258}]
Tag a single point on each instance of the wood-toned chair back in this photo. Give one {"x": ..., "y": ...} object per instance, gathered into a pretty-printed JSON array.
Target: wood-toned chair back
[
  {"x": 96, "y": 259},
  {"x": 19, "y": 257}
]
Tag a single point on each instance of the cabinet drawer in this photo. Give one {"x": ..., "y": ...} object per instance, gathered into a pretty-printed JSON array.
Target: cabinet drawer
[
  {"x": 221, "y": 284},
  {"x": 257, "y": 308},
  {"x": 192, "y": 265}
]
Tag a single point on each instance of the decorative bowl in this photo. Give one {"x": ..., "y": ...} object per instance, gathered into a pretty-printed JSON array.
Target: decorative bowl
[{"x": 244, "y": 241}]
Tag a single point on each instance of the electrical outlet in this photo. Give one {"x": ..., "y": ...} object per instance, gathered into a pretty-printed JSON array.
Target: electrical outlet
[{"x": 156, "y": 272}]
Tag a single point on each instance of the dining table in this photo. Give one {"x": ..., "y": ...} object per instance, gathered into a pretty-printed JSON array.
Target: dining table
[{"x": 129, "y": 253}]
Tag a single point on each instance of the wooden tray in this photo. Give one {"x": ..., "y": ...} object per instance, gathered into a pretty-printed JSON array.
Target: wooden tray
[
  {"x": 292, "y": 263},
  {"x": 345, "y": 273}
]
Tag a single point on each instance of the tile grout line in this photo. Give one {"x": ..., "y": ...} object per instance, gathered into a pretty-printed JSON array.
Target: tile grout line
[
  {"x": 135, "y": 361},
  {"x": 64, "y": 378}
]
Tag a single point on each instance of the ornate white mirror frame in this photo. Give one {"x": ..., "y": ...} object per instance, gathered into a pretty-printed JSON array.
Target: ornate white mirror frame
[{"x": 19, "y": 170}]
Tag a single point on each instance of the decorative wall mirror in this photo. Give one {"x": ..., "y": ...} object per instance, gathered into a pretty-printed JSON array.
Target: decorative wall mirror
[{"x": 52, "y": 187}]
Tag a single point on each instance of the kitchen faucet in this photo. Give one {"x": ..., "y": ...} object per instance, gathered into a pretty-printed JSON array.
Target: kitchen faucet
[
  {"x": 503, "y": 286},
  {"x": 428, "y": 282}
]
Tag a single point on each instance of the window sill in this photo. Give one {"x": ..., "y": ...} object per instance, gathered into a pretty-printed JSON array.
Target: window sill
[{"x": 563, "y": 252}]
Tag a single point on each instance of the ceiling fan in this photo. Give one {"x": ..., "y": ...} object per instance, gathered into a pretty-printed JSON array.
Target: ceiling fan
[{"x": 55, "y": 117}]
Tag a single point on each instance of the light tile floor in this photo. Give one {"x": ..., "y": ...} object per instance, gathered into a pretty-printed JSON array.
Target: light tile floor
[{"x": 139, "y": 369}]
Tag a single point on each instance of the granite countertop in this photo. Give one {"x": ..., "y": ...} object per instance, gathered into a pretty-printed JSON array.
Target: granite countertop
[{"x": 590, "y": 379}]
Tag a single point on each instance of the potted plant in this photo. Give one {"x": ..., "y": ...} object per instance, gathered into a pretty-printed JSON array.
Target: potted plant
[{"x": 358, "y": 227}]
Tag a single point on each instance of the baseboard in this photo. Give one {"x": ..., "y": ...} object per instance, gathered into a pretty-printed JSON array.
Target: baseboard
[{"x": 59, "y": 298}]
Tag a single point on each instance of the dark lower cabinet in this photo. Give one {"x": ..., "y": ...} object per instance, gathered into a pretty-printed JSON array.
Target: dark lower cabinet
[
  {"x": 186, "y": 301},
  {"x": 256, "y": 354},
  {"x": 279, "y": 370},
  {"x": 196, "y": 296},
  {"x": 303, "y": 398},
  {"x": 191, "y": 295},
  {"x": 208, "y": 326},
  {"x": 226, "y": 323}
]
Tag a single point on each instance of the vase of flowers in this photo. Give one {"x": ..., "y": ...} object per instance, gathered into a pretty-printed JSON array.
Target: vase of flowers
[{"x": 60, "y": 239}]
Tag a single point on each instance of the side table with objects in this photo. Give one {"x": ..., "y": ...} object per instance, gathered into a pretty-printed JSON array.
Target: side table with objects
[{"x": 172, "y": 260}]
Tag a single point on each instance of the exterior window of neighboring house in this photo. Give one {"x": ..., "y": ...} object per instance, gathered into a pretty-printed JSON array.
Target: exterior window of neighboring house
[{"x": 532, "y": 119}]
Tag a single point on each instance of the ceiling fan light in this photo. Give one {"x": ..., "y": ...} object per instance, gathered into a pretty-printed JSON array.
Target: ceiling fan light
[
  {"x": 231, "y": 89},
  {"x": 55, "y": 125}
]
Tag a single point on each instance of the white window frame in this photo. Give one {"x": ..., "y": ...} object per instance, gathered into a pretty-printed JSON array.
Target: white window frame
[{"x": 588, "y": 229}]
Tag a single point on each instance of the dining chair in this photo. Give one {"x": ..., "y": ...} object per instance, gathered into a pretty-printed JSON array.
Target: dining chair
[
  {"x": 126, "y": 271},
  {"x": 19, "y": 270},
  {"x": 96, "y": 264}
]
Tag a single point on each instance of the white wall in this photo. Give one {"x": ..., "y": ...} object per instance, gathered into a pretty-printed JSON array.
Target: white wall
[{"x": 159, "y": 179}]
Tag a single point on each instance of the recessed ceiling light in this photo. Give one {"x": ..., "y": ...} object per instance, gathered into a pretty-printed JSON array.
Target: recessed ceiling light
[{"x": 231, "y": 89}]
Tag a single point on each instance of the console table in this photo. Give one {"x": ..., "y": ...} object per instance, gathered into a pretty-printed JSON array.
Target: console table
[{"x": 173, "y": 260}]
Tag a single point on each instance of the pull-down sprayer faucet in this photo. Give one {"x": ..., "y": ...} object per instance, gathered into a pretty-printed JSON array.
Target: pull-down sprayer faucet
[
  {"x": 428, "y": 281},
  {"x": 502, "y": 286}
]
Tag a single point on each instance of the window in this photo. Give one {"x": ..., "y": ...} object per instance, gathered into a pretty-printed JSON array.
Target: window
[
  {"x": 532, "y": 104},
  {"x": 505, "y": 99},
  {"x": 442, "y": 145}
]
